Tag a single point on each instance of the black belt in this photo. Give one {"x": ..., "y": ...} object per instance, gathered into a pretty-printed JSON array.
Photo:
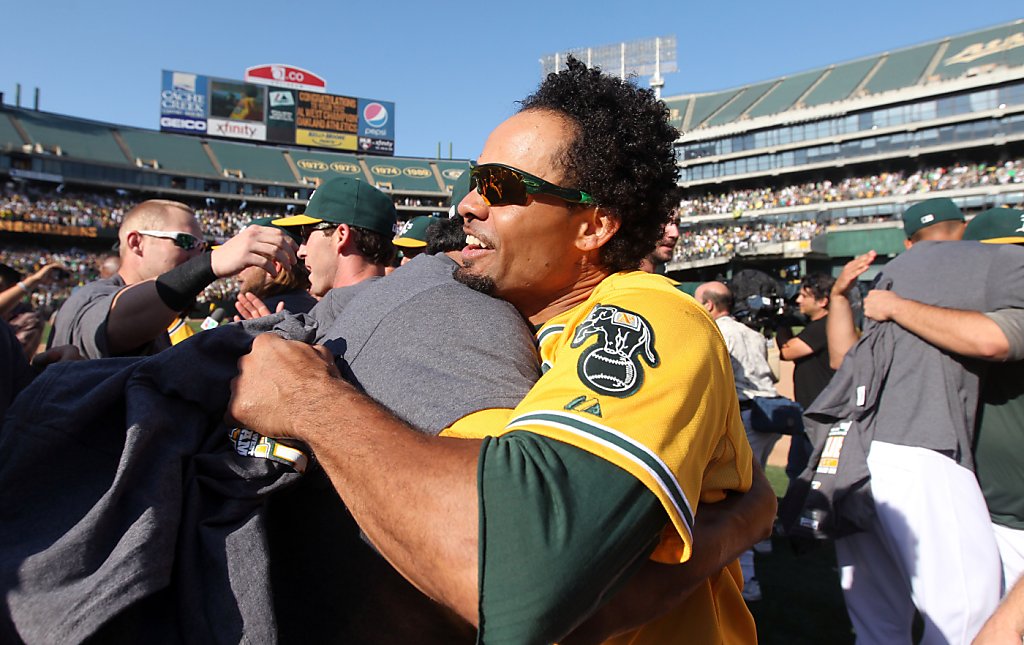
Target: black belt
[{"x": 746, "y": 405}]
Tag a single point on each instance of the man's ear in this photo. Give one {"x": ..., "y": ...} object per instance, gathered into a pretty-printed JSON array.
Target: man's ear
[
  {"x": 597, "y": 226},
  {"x": 133, "y": 242},
  {"x": 344, "y": 233}
]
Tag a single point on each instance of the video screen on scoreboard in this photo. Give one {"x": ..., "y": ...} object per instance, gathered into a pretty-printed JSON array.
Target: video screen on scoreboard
[{"x": 207, "y": 106}]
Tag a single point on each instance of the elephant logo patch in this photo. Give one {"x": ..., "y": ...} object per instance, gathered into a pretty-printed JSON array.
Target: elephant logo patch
[{"x": 612, "y": 365}]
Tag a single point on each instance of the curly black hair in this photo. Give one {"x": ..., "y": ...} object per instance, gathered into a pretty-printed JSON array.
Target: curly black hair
[{"x": 623, "y": 154}]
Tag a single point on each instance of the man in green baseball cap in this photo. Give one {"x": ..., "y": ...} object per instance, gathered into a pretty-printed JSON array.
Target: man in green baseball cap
[
  {"x": 288, "y": 290},
  {"x": 937, "y": 219},
  {"x": 997, "y": 226},
  {"x": 412, "y": 238},
  {"x": 346, "y": 234}
]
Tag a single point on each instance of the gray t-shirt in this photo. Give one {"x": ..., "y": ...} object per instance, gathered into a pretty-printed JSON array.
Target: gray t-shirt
[
  {"x": 82, "y": 321},
  {"x": 333, "y": 302},
  {"x": 930, "y": 396},
  {"x": 1011, "y": 322},
  {"x": 431, "y": 349}
]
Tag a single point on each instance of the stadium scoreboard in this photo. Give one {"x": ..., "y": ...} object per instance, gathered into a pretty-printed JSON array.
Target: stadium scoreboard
[{"x": 276, "y": 110}]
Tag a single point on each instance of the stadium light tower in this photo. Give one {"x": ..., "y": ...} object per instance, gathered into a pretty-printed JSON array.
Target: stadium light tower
[{"x": 650, "y": 57}]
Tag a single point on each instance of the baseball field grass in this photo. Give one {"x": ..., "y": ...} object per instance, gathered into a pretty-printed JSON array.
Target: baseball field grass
[{"x": 802, "y": 602}]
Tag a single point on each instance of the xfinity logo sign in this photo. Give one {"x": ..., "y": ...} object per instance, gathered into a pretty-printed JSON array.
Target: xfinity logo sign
[
  {"x": 237, "y": 129},
  {"x": 189, "y": 125}
]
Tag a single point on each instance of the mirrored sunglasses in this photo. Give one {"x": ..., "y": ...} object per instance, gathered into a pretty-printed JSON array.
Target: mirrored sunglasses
[
  {"x": 502, "y": 185},
  {"x": 182, "y": 240}
]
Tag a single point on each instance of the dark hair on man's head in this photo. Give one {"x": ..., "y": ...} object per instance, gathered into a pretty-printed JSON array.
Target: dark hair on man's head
[
  {"x": 373, "y": 246},
  {"x": 819, "y": 284},
  {"x": 9, "y": 276},
  {"x": 622, "y": 155},
  {"x": 445, "y": 235}
]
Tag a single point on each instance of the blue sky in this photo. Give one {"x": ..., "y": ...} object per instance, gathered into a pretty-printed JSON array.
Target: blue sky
[{"x": 453, "y": 69}]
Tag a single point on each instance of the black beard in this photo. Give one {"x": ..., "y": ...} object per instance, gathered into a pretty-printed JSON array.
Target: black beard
[{"x": 480, "y": 283}]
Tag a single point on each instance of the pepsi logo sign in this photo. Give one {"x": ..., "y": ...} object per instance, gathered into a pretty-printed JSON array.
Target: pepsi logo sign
[
  {"x": 375, "y": 115},
  {"x": 452, "y": 173}
]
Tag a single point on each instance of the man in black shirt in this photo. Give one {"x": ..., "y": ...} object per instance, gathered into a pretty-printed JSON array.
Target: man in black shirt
[{"x": 809, "y": 352}]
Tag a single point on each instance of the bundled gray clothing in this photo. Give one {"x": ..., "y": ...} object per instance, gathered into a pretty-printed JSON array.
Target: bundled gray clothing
[
  {"x": 833, "y": 499},
  {"x": 127, "y": 515}
]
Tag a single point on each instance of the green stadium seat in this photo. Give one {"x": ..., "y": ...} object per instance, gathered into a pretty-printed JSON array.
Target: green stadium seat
[
  {"x": 255, "y": 162},
  {"x": 740, "y": 104},
  {"x": 76, "y": 138},
  {"x": 785, "y": 94},
  {"x": 677, "y": 110},
  {"x": 840, "y": 83},
  {"x": 706, "y": 105},
  {"x": 9, "y": 137},
  {"x": 902, "y": 69},
  {"x": 171, "y": 151}
]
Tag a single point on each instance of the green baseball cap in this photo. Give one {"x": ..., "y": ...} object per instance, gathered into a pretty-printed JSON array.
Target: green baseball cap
[
  {"x": 928, "y": 212},
  {"x": 997, "y": 226},
  {"x": 347, "y": 201},
  {"x": 413, "y": 234},
  {"x": 293, "y": 232}
]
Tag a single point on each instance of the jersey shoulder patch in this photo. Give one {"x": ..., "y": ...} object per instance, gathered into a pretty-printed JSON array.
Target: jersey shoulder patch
[{"x": 612, "y": 365}]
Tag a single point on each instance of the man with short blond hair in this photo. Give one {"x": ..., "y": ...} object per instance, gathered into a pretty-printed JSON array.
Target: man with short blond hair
[{"x": 165, "y": 264}]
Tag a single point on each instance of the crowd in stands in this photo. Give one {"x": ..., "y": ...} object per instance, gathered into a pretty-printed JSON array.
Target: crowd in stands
[
  {"x": 702, "y": 242},
  {"x": 884, "y": 184},
  {"x": 81, "y": 266},
  {"x": 23, "y": 203}
]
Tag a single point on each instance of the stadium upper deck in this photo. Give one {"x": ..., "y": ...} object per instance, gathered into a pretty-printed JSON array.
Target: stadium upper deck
[
  {"x": 951, "y": 94},
  {"x": 52, "y": 147}
]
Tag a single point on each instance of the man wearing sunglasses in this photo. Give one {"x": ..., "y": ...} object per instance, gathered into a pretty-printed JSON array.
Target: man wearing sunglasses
[
  {"x": 525, "y": 526},
  {"x": 165, "y": 264}
]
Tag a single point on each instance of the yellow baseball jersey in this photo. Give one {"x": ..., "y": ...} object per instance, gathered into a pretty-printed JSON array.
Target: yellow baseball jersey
[
  {"x": 639, "y": 375},
  {"x": 179, "y": 330}
]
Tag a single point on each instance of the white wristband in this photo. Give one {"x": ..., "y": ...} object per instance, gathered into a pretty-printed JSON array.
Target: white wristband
[{"x": 21, "y": 285}]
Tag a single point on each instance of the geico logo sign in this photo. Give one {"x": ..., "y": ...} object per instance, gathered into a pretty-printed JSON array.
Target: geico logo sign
[
  {"x": 311, "y": 164},
  {"x": 387, "y": 171},
  {"x": 452, "y": 173},
  {"x": 345, "y": 167},
  {"x": 416, "y": 172},
  {"x": 182, "y": 124}
]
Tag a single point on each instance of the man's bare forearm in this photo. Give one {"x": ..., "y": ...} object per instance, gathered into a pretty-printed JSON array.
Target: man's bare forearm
[
  {"x": 839, "y": 329},
  {"x": 722, "y": 532},
  {"x": 1006, "y": 625},
  {"x": 968, "y": 333}
]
